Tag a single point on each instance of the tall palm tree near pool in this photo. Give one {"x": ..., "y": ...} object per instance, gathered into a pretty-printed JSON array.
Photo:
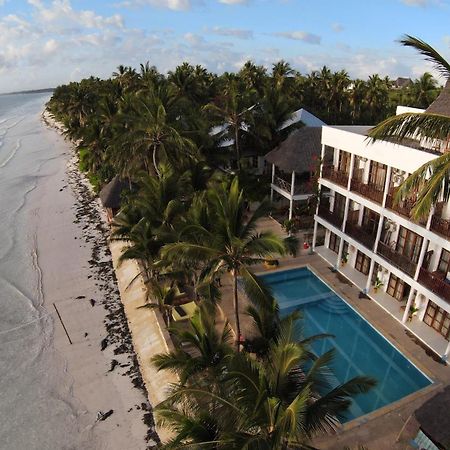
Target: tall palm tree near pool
[{"x": 232, "y": 244}]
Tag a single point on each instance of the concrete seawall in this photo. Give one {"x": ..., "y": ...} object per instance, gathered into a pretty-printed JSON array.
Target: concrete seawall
[{"x": 147, "y": 332}]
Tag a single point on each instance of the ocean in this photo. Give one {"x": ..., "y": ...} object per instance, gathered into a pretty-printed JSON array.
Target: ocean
[{"x": 37, "y": 409}]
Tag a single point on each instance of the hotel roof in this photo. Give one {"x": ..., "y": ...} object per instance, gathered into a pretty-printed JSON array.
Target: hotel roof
[
  {"x": 442, "y": 104},
  {"x": 299, "y": 152}
]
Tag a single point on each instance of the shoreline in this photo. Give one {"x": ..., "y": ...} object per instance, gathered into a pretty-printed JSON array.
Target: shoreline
[{"x": 97, "y": 315}]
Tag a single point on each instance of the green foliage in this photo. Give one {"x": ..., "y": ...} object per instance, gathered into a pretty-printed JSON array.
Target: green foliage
[{"x": 276, "y": 398}]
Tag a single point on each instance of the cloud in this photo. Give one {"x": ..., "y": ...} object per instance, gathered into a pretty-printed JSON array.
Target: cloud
[
  {"x": 415, "y": 2},
  {"x": 337, "y": 27},
  {"x": 232, "y": 32},
  {"x": 234, "y": 2},
  {"x": 174, "y": 5},
  {"x": 304, "y": 36}
]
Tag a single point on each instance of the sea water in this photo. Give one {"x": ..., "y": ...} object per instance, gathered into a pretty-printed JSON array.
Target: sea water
[{"x": 36, "y": 409}]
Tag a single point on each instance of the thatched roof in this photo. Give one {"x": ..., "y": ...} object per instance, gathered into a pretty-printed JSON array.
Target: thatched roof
[
  {"x": 299, "y": 152},
  {"x": 110, "y": 194},
  {"x": 442, "y": 104},
  {"x": 434, "y": 418}
]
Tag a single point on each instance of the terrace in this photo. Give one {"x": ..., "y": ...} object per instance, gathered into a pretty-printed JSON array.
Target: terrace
[{"x": 398, "y": 260}]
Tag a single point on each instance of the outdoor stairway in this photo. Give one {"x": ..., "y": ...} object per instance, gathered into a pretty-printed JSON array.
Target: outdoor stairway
[{"x": 333, "y": 304}]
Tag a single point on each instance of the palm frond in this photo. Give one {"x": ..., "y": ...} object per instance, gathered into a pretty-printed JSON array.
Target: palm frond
[
  {"x": 439, "y": 63},
  {"x": 412, "y": 126}
]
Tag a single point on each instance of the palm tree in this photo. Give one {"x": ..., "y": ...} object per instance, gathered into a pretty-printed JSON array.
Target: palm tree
[
  {"x": 431, "y": 181},
  {"x": 424, "y": 90},
  {"x": 233, "y": 243},
  {"x": 276, "y": 403},
  {"x": 234, "y": 111},
  {"x": 202, "y": 349},
  {"x": 151, "y": 138}
]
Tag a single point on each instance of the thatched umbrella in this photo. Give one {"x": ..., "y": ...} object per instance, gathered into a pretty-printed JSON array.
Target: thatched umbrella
[
  {"x": 110, "y": 196},
  {"x": 434, "y": 418}
]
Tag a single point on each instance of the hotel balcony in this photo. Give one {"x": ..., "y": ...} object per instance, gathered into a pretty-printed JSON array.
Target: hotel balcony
[
  {"x": 366, "y": 190},
  {"x": 398, "y": 260},
  {"x": 330, "y": 216},
  {"x": 330, "y": 173},
  {"x": 440, "y": 226},
  {"x": 436, "y": 283},
  {"x": 403, "y": 207},
  {"x": 364, "y": 236},
  {"x": 299, "y": 187}
]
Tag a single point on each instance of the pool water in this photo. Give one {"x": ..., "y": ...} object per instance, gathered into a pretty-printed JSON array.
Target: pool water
[{"x": 359, "y": 348}]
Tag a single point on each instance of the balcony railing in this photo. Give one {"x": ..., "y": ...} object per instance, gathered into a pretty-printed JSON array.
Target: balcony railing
[
  {"x": 331, "y": 217},
  {"x": 440, "y": 226},
  {"x": 403, "y": 207},
  {"x": 435, "y": 284},
  {"x": 398, "y": 260},
  {"x": 299, "y": 188},
  {"x": 366, "y": 190},
  {"x": 362, "y": 235},
  {"x": 330, "y": 173}
]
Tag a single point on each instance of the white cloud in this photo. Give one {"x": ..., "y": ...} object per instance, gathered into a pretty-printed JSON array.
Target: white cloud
[
  {"x": 175, "y": 5},
  {"x": 234, "y": 2},
  {"x": 232, "y": 32},
  {"x": 304, "y": 36},
  {"x": 337, "y": 27},
  {"x": 415, "y": 2}
]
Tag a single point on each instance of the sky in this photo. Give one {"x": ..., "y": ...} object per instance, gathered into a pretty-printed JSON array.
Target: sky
[{"x": 44, "y": 43}]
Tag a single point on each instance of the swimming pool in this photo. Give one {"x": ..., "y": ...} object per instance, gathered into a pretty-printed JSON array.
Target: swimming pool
[{"x": 360, "y": 349}]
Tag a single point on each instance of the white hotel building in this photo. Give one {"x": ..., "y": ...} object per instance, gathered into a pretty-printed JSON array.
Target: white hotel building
[{"x": 369, "y": 239}]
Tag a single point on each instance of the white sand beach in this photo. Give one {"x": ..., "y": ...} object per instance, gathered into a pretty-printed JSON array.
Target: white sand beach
[{"x": 77, "y": 278}]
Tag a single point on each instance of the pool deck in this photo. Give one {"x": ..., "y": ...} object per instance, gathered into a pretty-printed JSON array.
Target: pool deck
[{"x": 380, "y": 429}]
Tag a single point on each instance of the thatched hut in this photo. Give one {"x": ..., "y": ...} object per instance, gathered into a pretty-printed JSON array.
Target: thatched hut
[
  {"x": 294, "y": 162},
  {"x": 433, "y": 418},
  {"x": 442, "y": 103},
  {"x": 110, "y": 196}
]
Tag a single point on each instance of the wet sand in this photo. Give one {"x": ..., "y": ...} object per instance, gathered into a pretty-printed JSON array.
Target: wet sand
[{"x": 78, "y": 278}]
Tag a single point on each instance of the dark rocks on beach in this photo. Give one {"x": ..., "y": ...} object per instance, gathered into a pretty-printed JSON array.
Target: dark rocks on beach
[
  {"x": 95, "y": 233},
  {"x": 80, "y": 297},
  {"x": 114, "y": 363},
  {"x": 104, "y": 416}
]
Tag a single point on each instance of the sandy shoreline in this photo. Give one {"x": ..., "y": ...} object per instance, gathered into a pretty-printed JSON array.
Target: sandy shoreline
[{"x": 78, "y": 278}]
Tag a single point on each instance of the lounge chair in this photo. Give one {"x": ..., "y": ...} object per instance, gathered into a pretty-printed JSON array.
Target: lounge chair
[{"x": 183, "y": 312}]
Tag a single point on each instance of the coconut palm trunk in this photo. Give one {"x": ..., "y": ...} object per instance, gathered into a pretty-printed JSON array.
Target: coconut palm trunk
[{"x": 236, "y": 309}]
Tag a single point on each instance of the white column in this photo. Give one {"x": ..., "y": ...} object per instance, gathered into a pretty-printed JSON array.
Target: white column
[
  {"x": 291, "y": 200},
  {"x": 369, "y": 276},
  {"x": 387, "y": 183},
  {"x": 352, "y": 163},
  {"x": 379, "y": 230},
  {"x": 412, "y": 292},
  {"x": 322, "y": 158},
  {"x": 430, "y": 216},
  {"x": 347, "y": 203},
  {"x": 421, "y": 258},
  {"x": 339, "y": 256},
  {"x": 447, "y": 352},
  {"x": 314, "y": 236},
  {"x": 272, "y": 183}
]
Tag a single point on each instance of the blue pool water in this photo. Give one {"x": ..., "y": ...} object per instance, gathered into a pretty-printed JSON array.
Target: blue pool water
[{"x": 360, "y": 349}]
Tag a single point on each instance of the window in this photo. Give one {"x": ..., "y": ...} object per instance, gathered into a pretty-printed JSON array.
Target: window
[
  {"x": 444, "y": 261},
  {"x": 397, "y": 288},
  {"x": 334, "y": 242},
  {"x": 409, "y": 244},
  {"x": 344, "y": 162},
  {"x": 339, "y": 205},
  {"x": 370, "y": 220},
  {"x": 377, "y": 175},
  {"x": 362, "y": 263},
  {"x": 438, "y": 318}
]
